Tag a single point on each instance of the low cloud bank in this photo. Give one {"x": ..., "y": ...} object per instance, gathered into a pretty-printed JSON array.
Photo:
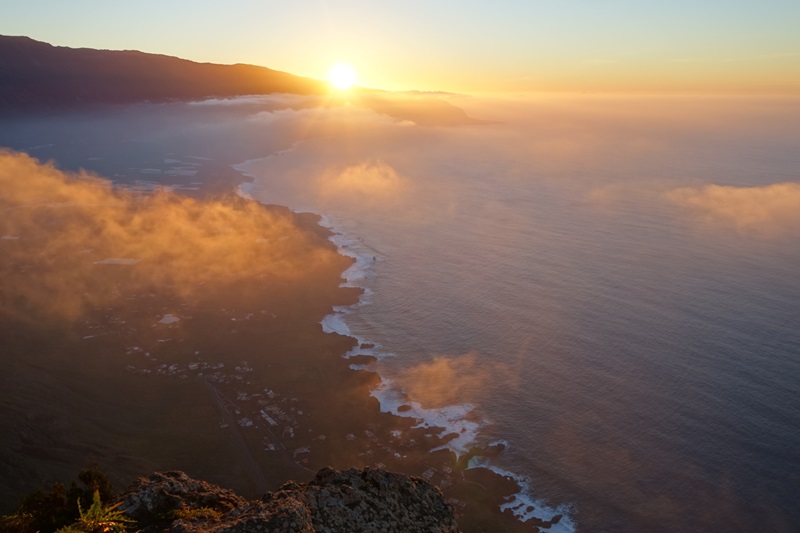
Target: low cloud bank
[
  {"x": 456, "y": 379},
  {"x": 369, "y": 180},
  {"x": 769, "y": 210},
  {"x": 62, "y": 235}
]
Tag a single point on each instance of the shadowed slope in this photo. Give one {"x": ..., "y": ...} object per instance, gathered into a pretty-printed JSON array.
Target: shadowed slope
[{"x": 37, "y": 75}]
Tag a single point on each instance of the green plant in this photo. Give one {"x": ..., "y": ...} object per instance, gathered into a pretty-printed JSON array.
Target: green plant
[{"x": 99, "y": 519}]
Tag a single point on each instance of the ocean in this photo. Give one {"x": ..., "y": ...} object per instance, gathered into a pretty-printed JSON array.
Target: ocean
[
  {"x": 609, "y": 286},
  {"x": 606, "y": 285}
]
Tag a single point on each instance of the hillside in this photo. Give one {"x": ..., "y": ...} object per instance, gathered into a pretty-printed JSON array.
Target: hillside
[{"x": 37, "y": 75}]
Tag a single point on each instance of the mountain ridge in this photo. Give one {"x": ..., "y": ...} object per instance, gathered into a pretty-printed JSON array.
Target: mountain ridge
[
  {"x": 37, "y": 77},
  {"x": 41, "y": 76}
]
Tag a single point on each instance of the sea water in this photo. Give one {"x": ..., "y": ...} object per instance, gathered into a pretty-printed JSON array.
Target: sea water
[
  {"x": 607, "y": 285},
  {"x": 564, "y": 281}
]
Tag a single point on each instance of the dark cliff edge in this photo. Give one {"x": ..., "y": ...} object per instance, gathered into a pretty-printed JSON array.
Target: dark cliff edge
[
  {"x": 35, "y": 75},
  {"x": 346, "y": 501}
]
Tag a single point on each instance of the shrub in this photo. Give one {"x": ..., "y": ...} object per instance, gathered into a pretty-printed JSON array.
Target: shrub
[{"x": 46, "y": 512}]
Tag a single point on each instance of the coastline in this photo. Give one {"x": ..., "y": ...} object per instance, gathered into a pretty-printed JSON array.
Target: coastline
[
  {"x": 115, "y": 383},
  {"x": 281, "y": 374},
  {"x": 452, "y": 431},
  {"x": 68, "y": 398},
  {"x": 211, "y": 374}
]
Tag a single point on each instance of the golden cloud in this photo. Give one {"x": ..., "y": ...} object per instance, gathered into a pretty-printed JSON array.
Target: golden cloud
[
  {"x": 456, "y": 379},
  {"x": 69, "y": 241},
  {"x": 767, "y": 210},
  {"x": 369, "y": 180}
]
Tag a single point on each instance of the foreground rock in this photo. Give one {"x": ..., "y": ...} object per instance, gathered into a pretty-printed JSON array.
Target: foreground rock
[{"x": 366, "y": 500}]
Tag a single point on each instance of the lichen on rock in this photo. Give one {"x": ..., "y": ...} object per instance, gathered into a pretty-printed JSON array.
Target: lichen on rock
[{"x": 368, "y": 500}]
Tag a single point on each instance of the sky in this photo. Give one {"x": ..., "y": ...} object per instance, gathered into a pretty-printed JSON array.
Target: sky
[{"x": 454, "y": 45}]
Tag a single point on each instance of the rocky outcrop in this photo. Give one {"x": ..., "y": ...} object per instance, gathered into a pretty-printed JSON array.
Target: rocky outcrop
[{"x": 366, "y": 500}]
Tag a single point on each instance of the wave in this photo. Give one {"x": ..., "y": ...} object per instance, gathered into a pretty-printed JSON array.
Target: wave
[
  {"x": 452, "y": 419},
  {"x": 458, "y": 419},
  {"x": 459, "y": 422},
  {"x": 524, "y": 505}
]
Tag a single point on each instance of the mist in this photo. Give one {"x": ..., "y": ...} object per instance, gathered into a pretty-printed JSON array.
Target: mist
[
  {"x": 605, "y": 281},
  {"x": 60, "y": 231},
  {"x": 770, "y": 210},
  {"x": 592, "y": 275}
]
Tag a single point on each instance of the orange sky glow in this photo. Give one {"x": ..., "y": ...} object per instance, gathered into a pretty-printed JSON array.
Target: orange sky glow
[{"x": 519, "y": 46}]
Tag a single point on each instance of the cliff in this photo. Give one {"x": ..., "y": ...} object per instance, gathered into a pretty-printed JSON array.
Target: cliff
[{"x": 347, "y": 501}]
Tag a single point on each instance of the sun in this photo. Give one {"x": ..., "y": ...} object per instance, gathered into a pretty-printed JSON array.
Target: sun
[{"x": 342, "y": 76}]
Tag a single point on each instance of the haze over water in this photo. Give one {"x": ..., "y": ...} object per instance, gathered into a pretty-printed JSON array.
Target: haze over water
[
  {"x": 607, "y": 284},
  {"x": 610, "y": 282}
]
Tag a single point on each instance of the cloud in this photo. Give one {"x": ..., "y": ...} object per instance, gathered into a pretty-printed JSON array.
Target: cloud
[
  {"x": 364, "y": 181},
  {"x": 454, "y": 380},
  {"x": 71, "y": 242},
  {"x": 766, "y": 210}
]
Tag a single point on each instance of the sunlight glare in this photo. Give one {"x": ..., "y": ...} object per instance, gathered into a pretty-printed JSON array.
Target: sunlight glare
[{"x": 342, "y": 76}]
